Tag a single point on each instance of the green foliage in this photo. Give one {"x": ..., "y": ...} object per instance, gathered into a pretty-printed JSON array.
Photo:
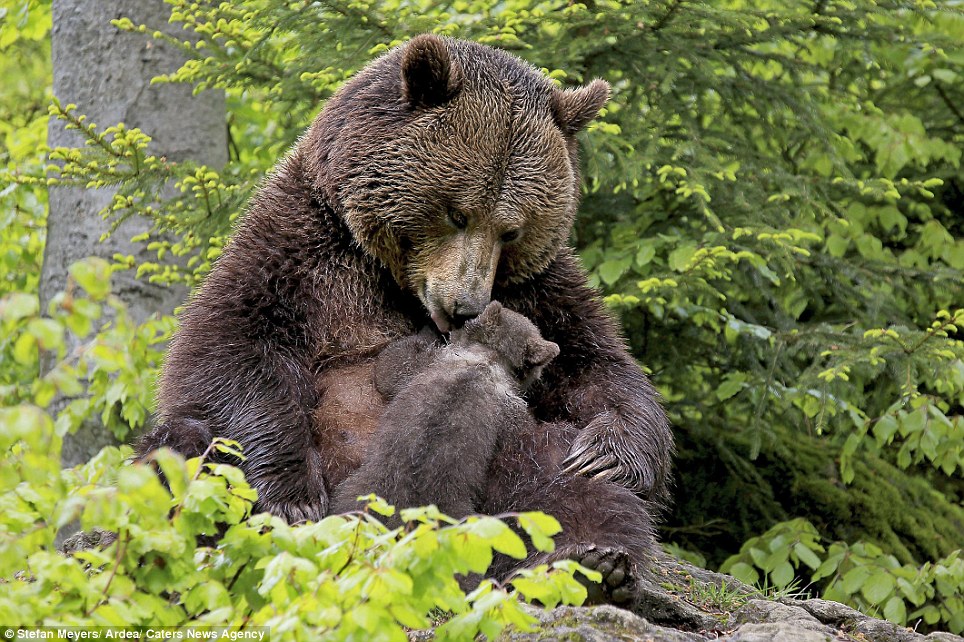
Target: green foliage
[
  {"x": 109, "y": 375},
  {"x": 343, "y": 578},
  {"x": 117, "y": 157},
  {"x": 346, "y": 577},
  {"x": 772, "y": 204},
  {"x": 24, "y": 58},
  {"x": 859, "y": 574}
]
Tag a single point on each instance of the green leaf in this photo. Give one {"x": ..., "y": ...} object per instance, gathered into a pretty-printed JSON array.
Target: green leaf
[
  {"x": 782, "y": 575},
  {"x": 25, "y": 350},
  {"x": 49, "y": 333},
  {"x": 408, "y": 616},
  {"x": 878, "y": 586},
  {"x": 540, "y": 528},
  {"x": 730, "y": 386},
  {"x": 853, "y": 580},
  {"x": 679, "y": 258},
  {"x": 108, "y": 358},
  {"x": 895, "y": 610},
  {"x": 534, "y": 590},
  {"x": 645, "y": 254},
  {"x": 828, "y": 567},
  {"x": 806, "y": 556},
  {"x": 837, "y": 245},
  {"x": 885, "y": 428},
  {"x": 912, "y": 422},
  {"x": 744, "y": 572},
  {"x": 207, "y": 596},
  {"x": 758, "y": 556},
  {"x": 18, "y": 305},
  {"x": 92, "y": 274},
  {"x": 612, "y": 269}
]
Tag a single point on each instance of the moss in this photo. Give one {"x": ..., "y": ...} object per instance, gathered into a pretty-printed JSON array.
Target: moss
[{"x": 723, "y": 498}]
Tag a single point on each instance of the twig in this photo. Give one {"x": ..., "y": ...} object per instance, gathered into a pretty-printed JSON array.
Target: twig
[
  {"x": 947, "y": 101},
  {"x": 121, "y": 549}
]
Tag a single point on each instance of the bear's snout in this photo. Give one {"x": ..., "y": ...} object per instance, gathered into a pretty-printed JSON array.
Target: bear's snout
[
  {"x": 464, "y": 307},
  {"x": 459, "y": 278}
]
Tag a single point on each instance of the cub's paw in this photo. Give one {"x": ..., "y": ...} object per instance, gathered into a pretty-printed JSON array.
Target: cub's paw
[{"x": 618, "y": 585}]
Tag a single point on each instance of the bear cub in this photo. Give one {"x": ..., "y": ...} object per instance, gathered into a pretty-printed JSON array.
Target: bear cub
[{"x": 458, "y": 398}]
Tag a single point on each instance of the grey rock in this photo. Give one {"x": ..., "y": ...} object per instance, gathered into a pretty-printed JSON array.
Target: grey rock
[
  {"x": 84, "y": 540},
  {"x": 883, "y": 631},
  {"x": 856, "y": 623},
  {"x": 781, "y": 632},
  {"x": 765, "y": 612},
  {"x": 828, "y": 612},
  {"x": 597, "y": 624},
  {"x": 765, "y": 620},
  {"x": 667, "y": 609}
]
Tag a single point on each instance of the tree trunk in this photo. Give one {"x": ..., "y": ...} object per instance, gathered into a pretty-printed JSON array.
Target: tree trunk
[{"x": 107, "y": 74}]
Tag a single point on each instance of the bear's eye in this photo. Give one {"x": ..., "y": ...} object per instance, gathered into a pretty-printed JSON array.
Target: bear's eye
[
  {"x": 511, "y": 236},
  {"x": 458, "y": 220}
]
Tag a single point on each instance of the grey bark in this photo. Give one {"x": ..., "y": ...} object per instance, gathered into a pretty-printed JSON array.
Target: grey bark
[{"x": 107, "y": 74}]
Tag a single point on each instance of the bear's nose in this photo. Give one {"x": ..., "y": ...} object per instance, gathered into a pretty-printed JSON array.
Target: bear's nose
[
  {"x": 463, "y": 312},
  {"x": 458, "y": 320}
]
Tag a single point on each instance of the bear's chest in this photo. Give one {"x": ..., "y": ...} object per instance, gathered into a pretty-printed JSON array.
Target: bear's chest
[{"x": 346, "y": 418}]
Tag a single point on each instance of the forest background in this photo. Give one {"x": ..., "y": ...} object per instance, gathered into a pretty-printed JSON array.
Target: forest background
[{"x": 773, "y": 206}]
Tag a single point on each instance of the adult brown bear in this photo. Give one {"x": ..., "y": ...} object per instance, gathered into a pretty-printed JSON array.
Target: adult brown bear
[{"x": 442, "y": 176}]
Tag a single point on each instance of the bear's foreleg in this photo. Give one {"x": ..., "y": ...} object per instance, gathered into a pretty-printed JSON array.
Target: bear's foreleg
[
  {"x": 259, "y": 398},
  {"x": 625, "y": 438}
]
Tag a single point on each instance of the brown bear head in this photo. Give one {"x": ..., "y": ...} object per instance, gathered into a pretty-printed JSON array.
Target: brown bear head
[{"x": 453, "y": 164}]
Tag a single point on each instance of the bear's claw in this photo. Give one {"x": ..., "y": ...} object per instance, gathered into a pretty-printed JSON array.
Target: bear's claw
[{"x": 293, "y": 513}]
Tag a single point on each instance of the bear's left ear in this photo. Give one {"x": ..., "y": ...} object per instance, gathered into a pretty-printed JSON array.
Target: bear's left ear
[
  {"x": 429, "y": 75},
  {"x": 574, "y": 108}
]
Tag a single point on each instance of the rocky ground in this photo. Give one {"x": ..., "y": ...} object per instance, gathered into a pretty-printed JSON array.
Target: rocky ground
[{"x": 683, "y": 603}]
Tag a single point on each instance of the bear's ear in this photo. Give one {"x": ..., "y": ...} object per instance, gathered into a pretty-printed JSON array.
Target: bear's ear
[
  {"x": 541, "y": 352},
  {"x": 491, "y": 315},
  {"x": 429, "y": 75},
  {"x": 574, "y": 108}
]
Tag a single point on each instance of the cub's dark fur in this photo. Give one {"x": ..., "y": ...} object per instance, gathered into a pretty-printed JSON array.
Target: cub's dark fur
[{"x": 449, "y": 406}]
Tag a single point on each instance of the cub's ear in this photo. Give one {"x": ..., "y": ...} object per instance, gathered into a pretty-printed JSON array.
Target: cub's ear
[
  {"x": 540, "y": 352},
  {"x": 482, "y": 327},
  {"x": 574, "y": 108},
  {"x": 491, "y": 314},
  {"x": 429, "y": 75},
  {"x": 492, "y": 311}
]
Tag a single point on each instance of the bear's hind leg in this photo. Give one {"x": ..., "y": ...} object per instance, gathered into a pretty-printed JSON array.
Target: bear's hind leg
[
  {"x": 604, "y": 526},
  {"x": 620, "y": 575}
]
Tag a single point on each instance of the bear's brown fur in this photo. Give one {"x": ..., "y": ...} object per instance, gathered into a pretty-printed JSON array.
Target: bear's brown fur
[{"x": 442, "y": 176}]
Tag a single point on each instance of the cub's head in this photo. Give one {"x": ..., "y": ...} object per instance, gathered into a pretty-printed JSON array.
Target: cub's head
[
  {"x": 511, "y": 339},
  {"x": 453, "y": 164}
]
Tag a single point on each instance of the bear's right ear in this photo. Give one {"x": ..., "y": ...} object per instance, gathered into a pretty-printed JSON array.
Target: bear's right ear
[
  {"x": 574, "y": 108},
  {"x": 541, "y": 352},
  {"x": 429, "y": 75}
]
